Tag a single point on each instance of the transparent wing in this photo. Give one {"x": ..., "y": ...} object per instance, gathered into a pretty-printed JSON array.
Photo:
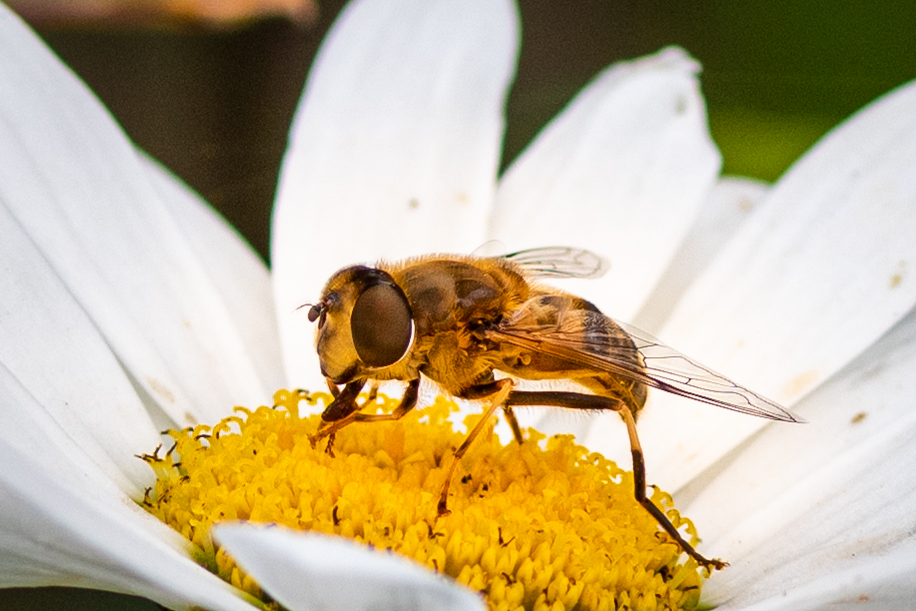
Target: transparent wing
[
  {"x": 560, "y": 262},
  {"x": 610, "y": 348}
]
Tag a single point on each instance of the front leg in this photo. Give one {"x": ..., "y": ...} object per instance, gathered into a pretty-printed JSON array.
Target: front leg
[
  {"x": 408, "y": 402},
  {"x": 344, "y": 403},
  {"x": 344, "y": 410},
  {"x": 339, "y": 413}
]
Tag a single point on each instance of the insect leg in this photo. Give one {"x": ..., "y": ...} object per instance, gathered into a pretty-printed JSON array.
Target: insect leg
[
  {"x": 338, "y": 414},
  {"x": 335, "y": 418},
  {"x": 408, "y": 402},
  {"x": 344, "y": 403},
  {"x": 504, "y": 389},
  {"x": 373, "y": 392},
  {"x": 332, "y": 387},
  {"x": 585, "y": 401},
  {"x": 639, "y": 484},
  {"x": 513, "y": 423},
  {"x": 487, "y": 389}
]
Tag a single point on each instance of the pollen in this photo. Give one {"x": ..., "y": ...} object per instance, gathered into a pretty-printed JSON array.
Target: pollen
[{"x": 542, "y": 525}]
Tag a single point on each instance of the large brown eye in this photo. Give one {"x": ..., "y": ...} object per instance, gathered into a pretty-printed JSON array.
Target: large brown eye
[{"x": 381, "y": 324}]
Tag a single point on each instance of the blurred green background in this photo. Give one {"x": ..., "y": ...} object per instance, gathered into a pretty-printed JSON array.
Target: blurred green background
[{"x": 214, "y": 104}]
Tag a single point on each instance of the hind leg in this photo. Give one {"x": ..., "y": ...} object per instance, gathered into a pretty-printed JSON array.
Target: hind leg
[{"x": 594, "y": 402}]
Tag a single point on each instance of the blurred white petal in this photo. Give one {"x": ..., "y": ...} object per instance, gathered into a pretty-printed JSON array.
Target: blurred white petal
[
  {"x": 394, "y": 149},
  {"x": 65, "y": 523},
  {"x": 621, "y": 171},
  {"x": 307, "y": 571},
  {"x": 807, "y": 284},
  {"x": 798, "y": 507},
  {"x": 730, "y": 203},
  {"x": 71, "y": 424},
  {"x": 50, "y": 347},
  {"x": 76, "y": 186},
  {"x": 234, "y": 269}
]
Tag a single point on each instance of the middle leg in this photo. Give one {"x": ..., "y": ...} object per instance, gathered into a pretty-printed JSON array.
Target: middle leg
[
  {"x": 488, "y": 389},
  {"x": 503, "y": 390}
]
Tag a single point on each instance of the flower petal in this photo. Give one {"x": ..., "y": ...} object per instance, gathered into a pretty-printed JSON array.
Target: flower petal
[
  {"x": 75, "y": 184},
  {"x": 885, "y": 583},
  {"x": 805, "y": 286},
  {"x": 49, "y": 346},
  {"x": 235, "y": 270},
  {"x": 730, "y": 203},
  {"x": 63, "y": 522},
  {"x": 313, "y": 571},
  {"x": 394, "y": 149},
  {"x": 831, "y": 502},
  {"x": 622, "y": 171}
]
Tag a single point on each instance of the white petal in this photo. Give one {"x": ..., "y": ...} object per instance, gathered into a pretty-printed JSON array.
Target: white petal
[
  {"x": 51, "y": 348},
  {"x": 394, "y": 149},
  {"x": 622, "y": 171},
  {"x": 730, "y": 203},
  {"x": 76, "y": 185},
  {"x": 308, "y": 571},
  {"x": 883, "y": 583},
  {"x": 63, "y": 522},
  {"x": 798, "y": 507},
  {"x": 806, "y": 285},
  {"x": 232, "y": 266}
]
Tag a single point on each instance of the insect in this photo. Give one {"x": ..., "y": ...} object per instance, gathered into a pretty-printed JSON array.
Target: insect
[{"x": 460, "y": 319}]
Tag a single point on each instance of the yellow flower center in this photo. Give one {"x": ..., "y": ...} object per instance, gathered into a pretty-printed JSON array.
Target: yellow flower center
[{"x": 542, "y": 525}]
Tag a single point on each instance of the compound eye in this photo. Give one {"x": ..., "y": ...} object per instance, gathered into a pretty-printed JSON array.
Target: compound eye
[{"x": 382, "y": 325}]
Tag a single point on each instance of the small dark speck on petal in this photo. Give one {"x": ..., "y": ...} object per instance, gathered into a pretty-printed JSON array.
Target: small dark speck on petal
[{"x": 160, "y": 389}]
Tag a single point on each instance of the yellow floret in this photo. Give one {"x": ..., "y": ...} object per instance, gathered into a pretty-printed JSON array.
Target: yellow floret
[{"x": 542, "y": 525}]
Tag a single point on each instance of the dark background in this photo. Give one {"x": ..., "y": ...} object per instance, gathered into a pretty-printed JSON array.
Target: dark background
[{"x": 214, "y": 104}]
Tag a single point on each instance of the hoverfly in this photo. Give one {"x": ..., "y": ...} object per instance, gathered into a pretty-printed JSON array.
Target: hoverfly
[{"x": 459, "y": 319}]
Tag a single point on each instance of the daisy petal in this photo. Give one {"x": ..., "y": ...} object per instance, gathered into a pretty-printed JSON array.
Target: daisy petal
[
  {"x": 805, "y": 286},
  {"x": 882, "y": 583},
  {"x": 622, "y": 171},
  {"x": 730, "y": 203},
  {"x": 232, "y": 266},
  {"x": 311, "y": 571},
  {"x": 65, "y": 523},
  {"x": 75, "y": 184},
  {"x": 394, "y": 149},
  {"x": 834, "y": 503},
  {"x": 49, "y": 346}
]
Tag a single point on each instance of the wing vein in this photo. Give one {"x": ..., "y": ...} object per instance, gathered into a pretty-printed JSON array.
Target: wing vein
[{"x": 663, "y": 368}]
